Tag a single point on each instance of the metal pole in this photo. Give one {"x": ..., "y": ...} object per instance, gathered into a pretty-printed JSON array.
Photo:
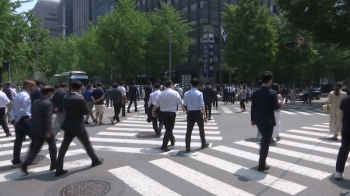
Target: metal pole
[
  {"x": 8, "y": 73},
  {"x": 36, "y": 51},
  {"x": 170, "y": 55},
  {"x": 219, "y": 61}
]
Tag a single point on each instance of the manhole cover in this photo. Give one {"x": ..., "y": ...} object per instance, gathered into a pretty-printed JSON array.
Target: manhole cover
[
  {"x": 146, "y": 133},
  {"x": 37, "y": 158},
  {"x": 87, "y": 188}
]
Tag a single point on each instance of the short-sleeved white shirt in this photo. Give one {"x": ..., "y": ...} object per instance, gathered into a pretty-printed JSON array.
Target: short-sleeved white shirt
[{"x": 168, "y": 100}]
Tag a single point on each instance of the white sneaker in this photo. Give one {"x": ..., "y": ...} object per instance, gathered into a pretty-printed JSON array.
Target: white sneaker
[{"x": 338, "y": 176}]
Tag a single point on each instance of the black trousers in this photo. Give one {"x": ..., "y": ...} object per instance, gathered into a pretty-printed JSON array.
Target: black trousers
[
  {"x": 22, "y": 128},
  {"x": 146, "y": 105},
  {"x": 208, "y": 109},
  {"x": 343, "y": 151},
  {"x": 192, "y": 118},
  {"x": 242, "y": 103},
  {"x": 3, "y": 121},
  {"x": 35, "y": 147},
  {"x": 233, "y": 97},
  {"x": 266, "y": 134},
  {"x": 123, "y": 109},
  {"x": 215, "y": 102},
  {"x": 117, "y": 107},
  {"x": 132, "y": 99},
  {"x": 155, "y": 123},
  {"x": 68, "y": 138},
  {"x": 169, "y": 123}
]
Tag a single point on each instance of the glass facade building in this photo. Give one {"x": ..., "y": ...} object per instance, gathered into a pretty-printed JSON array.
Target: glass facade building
[
  {"x": 82, "y": 11},
  {"x": 100, "y": 7},
  {"x": 46, "y": 10},
  {"x": 65, "y": 17}
]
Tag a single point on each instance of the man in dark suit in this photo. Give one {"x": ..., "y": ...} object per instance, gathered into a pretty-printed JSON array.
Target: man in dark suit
[
  {"x": 117, "y": 98},
  {"x": 57, "y": 101},
  {"x": 132, "y": 96},
  {"x": 148, "y": 91},
  {"x": 75, "y": 108},
  {"x": 208, "y": 96},
  {"x": 264, "y": 103},
  {"x": 42, "y": 129}
]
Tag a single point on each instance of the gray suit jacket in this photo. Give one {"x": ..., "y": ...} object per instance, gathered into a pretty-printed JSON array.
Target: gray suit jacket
[
  {"x": 116, "y": 95},
  {"x": 42, "y": 116},
  {"x": 75, "y": 109}
]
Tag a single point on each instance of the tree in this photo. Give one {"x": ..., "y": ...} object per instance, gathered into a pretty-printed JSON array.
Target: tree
[
  {"x": 123, "y": 34},
  {"x": 327, "y": 20},
  {"x": 251, "y": 41},
  {"x": 165, "y": 21}
]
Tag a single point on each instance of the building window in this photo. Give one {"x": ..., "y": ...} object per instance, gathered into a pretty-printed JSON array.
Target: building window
[
  {"x": 185, "y": 9},
  {"x": 193, "y": 7},
  {"x": 143, "y": 1},
  {"x": 194, "y": 41},
  {"x": 169, "y": 2},
  {"x": 203, "y": 4},
  {"x": 194, "y": 57},
  {"x": 176, "y": 0},
  {"x": 203, "y": 21},
  {"x": 215, "y": 22}
]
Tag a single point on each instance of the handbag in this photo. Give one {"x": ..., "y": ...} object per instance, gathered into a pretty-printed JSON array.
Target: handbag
[{"x": 326, "y": 108}]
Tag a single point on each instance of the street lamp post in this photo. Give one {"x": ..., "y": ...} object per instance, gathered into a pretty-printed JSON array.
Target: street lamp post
[
  {"x": 170, "y": 38},
  {"x": 36, "y": 75}
]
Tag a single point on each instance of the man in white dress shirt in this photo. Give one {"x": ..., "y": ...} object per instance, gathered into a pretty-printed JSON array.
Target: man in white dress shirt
[
  {"x": 152, "y": 102},
  {"x": 122, "y": 89},
  {"x": 168, "y": 100},
  {"x": 4, "y": 101}
]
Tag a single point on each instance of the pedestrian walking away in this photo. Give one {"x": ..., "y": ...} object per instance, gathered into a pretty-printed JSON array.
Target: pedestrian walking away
[
  {"x": 151, "y": 103},
  {"x": 208, "y": 96},
  {"x": 42, "y": 129},
  {"x": 89, "y": 104},
  {"x": 117, "y": 98},
  {"x": 21, "y": 118},
  {"x": 73, "y": 126},
  {"x": 4, "y": 101},
  {"x": 196, "y": 112},
  {"x": 168, "y": 100},
  {"x": 277, "y": 128},
  {"x": 148, "y": 90},
  {"x": 264, "y": 103},
  {"x": 10, "y": 95},
  {"x": 57, "y": 101},
  {"x": 132, "y": 96},
  {"x": 122, "y": 89},
  {"x": 97, "y": 97}
]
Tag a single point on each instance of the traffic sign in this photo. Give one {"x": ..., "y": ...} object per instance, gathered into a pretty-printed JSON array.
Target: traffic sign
[{"x": 301, "y": 40}]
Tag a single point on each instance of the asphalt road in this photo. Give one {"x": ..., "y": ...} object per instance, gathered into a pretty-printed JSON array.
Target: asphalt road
[{"x": 302, "y": 163}]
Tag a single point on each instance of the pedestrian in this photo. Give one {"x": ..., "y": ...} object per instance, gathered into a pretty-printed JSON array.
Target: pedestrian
[
  {"x": 258, "y": 85},
  {"x": 122, "y": 89},
  {"x": 215, "y": 99},
  {"x": 277, "y": 128},
  {"x": 345, "y": 88},
  {"x": 37, "y": 93},
  {"x": 73, "y": 126},
  {"x": 148, "y": 90},
  {"x": 310, "y": 94},
  {"x": 89, "y": 104},
  {"x": 151, "y": 103},
  {"x": 196, "y": 112},
  {"x": 10, "y": 95},
  {"x": 21, "y": 113},
  {"x": 97, "y": 97},
  {"x": 42, "y": 129},
  {"x": 57, "y": 101},
  {"x": 4, "y": 101},
  {"x": 226, "y": 95},
  {"x": 117, "y": 98},
  {"x": 264, "y": 103},
  {"x": 208, "y": 96},
  {"x": 345, "y": 135},
  {"x": 168, "y": 101},
  {"x": 133, "y": 96},
  {"x": 243, "y": 95},
  {"x": 335, "y": 114}
]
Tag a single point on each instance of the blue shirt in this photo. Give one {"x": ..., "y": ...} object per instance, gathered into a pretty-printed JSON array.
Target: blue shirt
[
  {"x": 87, "y": 95},
  {"x": 193, "y": 99},
  {"x": 21, "y": 106}
]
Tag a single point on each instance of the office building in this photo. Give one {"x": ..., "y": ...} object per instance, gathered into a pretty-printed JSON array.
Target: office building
[
  {"x": 101, "y": 7},
  {"x": 65, "y": 17},
  {"x": 46, "y": 10},
  {"x": 82, "y": 15}
]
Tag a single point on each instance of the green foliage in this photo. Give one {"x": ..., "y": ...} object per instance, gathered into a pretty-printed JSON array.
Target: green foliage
[
  {"x": 251, "y": 42},
  {"x": 327, "y": 20}
]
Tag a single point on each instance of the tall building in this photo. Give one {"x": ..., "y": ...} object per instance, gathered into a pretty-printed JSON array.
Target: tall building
[
  {"x": 100, "y": 7},
  {"x": 46, "y": 10},
  {"x": 65, "y": 17},
  {"x": 82, "y": 15}
]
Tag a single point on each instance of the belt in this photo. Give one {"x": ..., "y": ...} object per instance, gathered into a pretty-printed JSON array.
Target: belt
[
  {"x": 193, "y": 111},
  {"x": 168, "y": 112}
]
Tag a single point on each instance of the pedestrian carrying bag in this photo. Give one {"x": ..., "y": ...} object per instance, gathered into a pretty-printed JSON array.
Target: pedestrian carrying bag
[{"x": 326, "y": 108}]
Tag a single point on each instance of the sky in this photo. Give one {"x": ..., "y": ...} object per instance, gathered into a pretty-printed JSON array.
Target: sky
[{"x": 26, "y": 6}]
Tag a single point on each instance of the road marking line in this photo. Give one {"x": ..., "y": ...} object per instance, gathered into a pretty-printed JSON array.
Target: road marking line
[
  {"x": 326, "y": 123},
  {"x": 309, "y": 147},
  {"x": 140, "y": 129},
  {"x": 291, "y": 153},
  {"x": 176, "y": 126},
  {"x": 315, "y": 129},
  {"x": 176, "y": 120},
  {"x": 14, "y": 175},
  {"x": 226, "y": 110},
  {"x": 303, "y": 113},
  {"x": 153, "y": 151},
  {"x": 71, "y": 153},
  {"x": 176, "y": 123},
  {"x": 324, "y": 126},
  {"x": 176, "y": 136},
  {"x": 305, "y": 171},
  {"x": 309, "y": 133},
  {"x": 317, "y": 140},
  {"x": 253, "y": 175},
  {"x": 286, "y": 112},
  {"x": 201, "y": 180},
  {"x": 140, "y": 182}
]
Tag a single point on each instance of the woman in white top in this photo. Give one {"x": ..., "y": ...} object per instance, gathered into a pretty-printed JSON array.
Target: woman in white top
[
  {"x": 334, "y": 99},
  {"x": 277, "y": 128},
  {"x": 243, "y": 96}
]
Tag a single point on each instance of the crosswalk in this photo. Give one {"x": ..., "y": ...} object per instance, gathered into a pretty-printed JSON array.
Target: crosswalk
[
  {"x": 305, "y": 153},
  {"x": 293, "y": 110}
]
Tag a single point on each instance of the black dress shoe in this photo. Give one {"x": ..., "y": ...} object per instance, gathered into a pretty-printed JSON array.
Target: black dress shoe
[
  {"x": 52, "y": 167},
  {"x": 60, "y": 172},
  {"x": 8, "y": 134},
  {"x": 206, "y": 145},
  {"x": 128, "y": 111},
  {"x": 96, "y": 163},
  {"x": 188, "y": 150},
  {"x": 263, "y": 168},
  {"x": 24, "y": 169},
  {"x": 165, "y": 149},
  {"x": 173, "y": 143}
]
